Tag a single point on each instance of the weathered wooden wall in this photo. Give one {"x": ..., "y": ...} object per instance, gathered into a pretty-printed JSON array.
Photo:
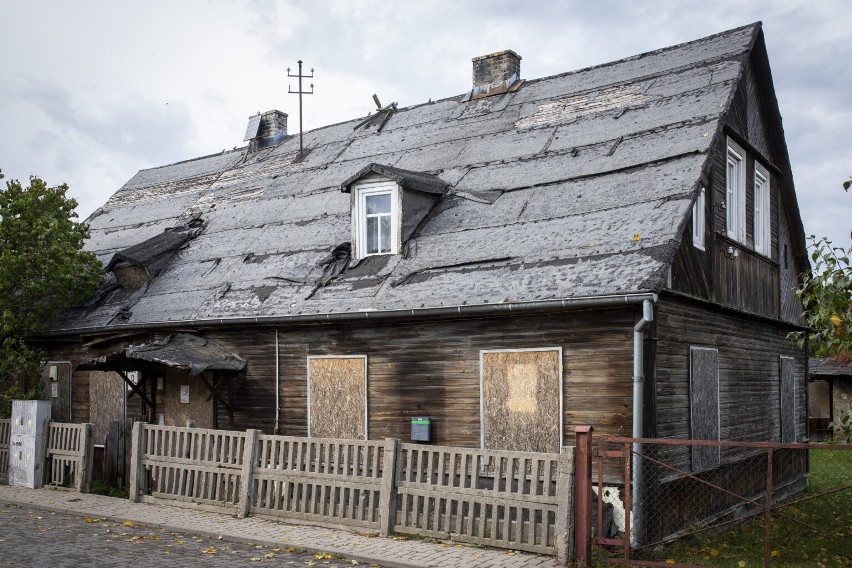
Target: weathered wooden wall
[
  {"x": 749, "y": 371},
  {"x": 757, "y": 283},
  {"x": 432, "y": 369},
  {"x": 429, "y": 368}
]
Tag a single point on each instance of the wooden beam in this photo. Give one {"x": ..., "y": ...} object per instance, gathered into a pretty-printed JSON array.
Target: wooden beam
[{"x": 135, "y": 388}]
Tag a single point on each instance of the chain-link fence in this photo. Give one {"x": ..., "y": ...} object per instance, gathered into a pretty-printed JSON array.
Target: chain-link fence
[{"x": 722, "y": 503}]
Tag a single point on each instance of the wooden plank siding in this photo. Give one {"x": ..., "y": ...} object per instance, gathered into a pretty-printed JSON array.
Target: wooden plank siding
[
  {"x": 418, "y": 368},
  {"x": 432, "y": 369},
  {"x": 749, "y": 371}
]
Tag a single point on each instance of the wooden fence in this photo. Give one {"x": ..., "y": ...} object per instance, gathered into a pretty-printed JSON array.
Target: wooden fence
[
  {"x": 188, "y": 465},
  {"x": 505, "y": 499},
  {"x": 516, "y": 500},
  {"x": 68, "y": 459},
  {"x": 5, "y": 433},
  {"x": 336, "y": 482}
]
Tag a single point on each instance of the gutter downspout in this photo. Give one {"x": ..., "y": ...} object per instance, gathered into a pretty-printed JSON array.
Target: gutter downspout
[
  {"x": 277, "y": 384},
  {"x": 637, "y": 535}
]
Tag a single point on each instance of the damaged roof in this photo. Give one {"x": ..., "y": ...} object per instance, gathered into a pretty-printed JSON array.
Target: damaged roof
[{"x": 570, "y": 186}]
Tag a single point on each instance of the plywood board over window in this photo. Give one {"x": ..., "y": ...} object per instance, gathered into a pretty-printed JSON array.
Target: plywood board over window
[
  {"x": 521, "y": 399},
  {"x": 788, "y": 400},
  {"x": 704, "y": 405},
  {"x": 337, "y": 397},
  {"x": 106, "y": 402}
]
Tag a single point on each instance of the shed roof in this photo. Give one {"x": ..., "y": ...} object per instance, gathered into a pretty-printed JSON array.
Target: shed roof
[{"x": 571, "y": 186}]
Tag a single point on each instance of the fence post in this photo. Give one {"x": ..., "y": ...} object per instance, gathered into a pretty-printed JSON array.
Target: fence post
[
  {"x": 137, "y": 470},
  {"x": 84, "y": 474},
  {"x": 583, "y": 497},
  {"x": 247, "y": 475},
  {"x": 564, "y": 505},
  {"x": 388, "y": 495}
]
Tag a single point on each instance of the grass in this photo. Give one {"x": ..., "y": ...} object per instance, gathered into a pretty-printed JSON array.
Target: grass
[
  {"x": 792, "y": 543},
  {"x": 98, "y": 487}
]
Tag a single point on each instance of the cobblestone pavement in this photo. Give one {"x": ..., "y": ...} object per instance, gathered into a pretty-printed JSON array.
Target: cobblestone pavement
[
  {"x": 34, "y": 537},
  {"x": 218, "y": 528}
]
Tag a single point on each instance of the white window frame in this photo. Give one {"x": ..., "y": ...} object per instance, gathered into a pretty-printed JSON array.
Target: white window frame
[
  {"x": 371, "y": 186},
  {"x": 366, "y": 389},
  {"x": 735, "y": 192},
  {"x": 699, "y": 221},
  {"x": 482, "y": 354},
  {"x": 762, "y": 218}
]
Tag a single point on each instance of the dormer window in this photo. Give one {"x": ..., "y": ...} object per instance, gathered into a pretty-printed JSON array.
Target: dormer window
[
  {"x": 387, "y": 205},
  {"x": 375, "y": 220}
]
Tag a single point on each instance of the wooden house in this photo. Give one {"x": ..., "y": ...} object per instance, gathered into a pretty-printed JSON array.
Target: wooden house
[{"x": 614, "y": 247}]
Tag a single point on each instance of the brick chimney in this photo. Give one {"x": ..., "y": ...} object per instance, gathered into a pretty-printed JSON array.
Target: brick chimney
[
  {"x": 266, "y": 129},
  {"x": 496, "y": 72}
]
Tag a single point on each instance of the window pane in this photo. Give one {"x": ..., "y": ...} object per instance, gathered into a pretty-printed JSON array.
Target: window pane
[
  {"x": 386, "y": 232},
  {"x": 378, "y": 204},
  {"x": 372, "y": 235}
]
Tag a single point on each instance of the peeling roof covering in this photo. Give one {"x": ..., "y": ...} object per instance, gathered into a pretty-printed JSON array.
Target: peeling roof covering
[
  {"x": 178, "y": 350},
  {"x": 829, "y": 367},
  {"x": 412, "y": 181},
  {"x": 573, "y": 185}
]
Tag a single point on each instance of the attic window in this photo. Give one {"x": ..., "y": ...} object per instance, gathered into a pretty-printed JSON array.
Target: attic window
[
  {"x": 376, "y": 217},
  {"x": 387, "y": 206}
]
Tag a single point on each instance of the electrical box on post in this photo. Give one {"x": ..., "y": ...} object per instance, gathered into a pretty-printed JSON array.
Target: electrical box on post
[
  {"x": 27, "y": 441},
  {"x": 421, "y": 429}
]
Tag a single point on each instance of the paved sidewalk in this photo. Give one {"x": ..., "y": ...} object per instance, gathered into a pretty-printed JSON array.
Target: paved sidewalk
[{"x": 392, "y": 552}]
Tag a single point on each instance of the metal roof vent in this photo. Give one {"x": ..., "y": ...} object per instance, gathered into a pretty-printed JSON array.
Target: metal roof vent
[
  {"x": 495, "y": 74},
  {"x": 266, "y": 129}
]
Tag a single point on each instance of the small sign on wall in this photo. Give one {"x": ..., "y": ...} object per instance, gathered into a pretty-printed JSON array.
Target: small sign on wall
[
  {"x": 184, "y": 394},
  {"x": 54, "y": 390}
]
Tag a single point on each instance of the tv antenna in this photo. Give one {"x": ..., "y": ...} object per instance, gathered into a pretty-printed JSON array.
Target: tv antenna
[{"x": 300, "y": 92}]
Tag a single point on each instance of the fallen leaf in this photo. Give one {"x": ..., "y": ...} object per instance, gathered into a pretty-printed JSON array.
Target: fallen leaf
[
  {"x": 210, "y": 550},
  {"x": 128, "y": 523},
  {"x": 775, "y": 554},
  {"x": 670, "y": 561},
  {"x": 322, "y": 556},
  {"x": 181, "y": 542},
  {"x": 271, "y": 555},
  {"x": 256, "y": 559}
]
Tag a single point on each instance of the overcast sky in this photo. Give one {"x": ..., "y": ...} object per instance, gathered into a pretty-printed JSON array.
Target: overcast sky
[{"x": 93, "y": 91}]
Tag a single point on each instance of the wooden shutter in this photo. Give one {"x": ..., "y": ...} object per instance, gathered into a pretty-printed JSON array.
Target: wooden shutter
[
  {"x": 704, "y": 404},
  {"x": 788, "y": 400}
]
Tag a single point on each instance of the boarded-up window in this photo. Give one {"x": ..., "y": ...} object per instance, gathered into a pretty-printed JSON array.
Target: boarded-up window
[
  {"x": 788, "y": 400},
  {"x": 521, "y": 394},
  {"x": 704, "y": 405},
  {"x": 106, "y": 402},
  {"x": 337, "y": 397}
]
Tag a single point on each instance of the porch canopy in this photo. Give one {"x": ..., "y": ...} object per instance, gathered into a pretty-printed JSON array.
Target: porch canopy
[
  {"x": 177, "y": 350},
  {"x": 183, "y": 351}
]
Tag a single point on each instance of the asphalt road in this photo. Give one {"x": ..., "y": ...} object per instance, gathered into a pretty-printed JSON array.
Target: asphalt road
[{"x": 33, "y": 538}]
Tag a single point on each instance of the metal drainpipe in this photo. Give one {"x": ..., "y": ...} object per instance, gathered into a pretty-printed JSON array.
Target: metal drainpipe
[
  {"x": 638, "y": 519},
  {"x": 277, "y": 384}
]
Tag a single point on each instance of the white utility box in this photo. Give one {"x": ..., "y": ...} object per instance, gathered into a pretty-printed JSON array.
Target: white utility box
[{"x": 27, "y": 441}]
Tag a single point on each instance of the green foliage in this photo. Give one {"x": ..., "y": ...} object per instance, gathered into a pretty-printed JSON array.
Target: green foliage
[
  {"x": 43, "y": 270},
  {"x": 98, "y": 487},
  {"x": 826, "y": 293},
  {"x": 844, "y": 426}
]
